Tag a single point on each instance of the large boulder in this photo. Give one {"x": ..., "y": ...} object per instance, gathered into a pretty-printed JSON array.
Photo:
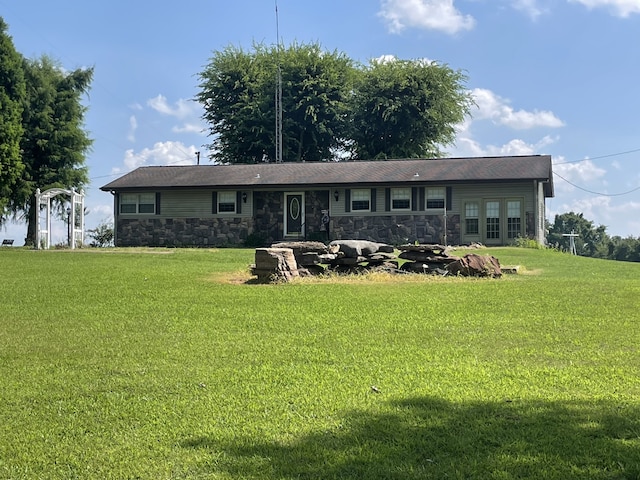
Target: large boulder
[
  {"x": 472, "y": 265},
  {"x": 360, "y": 248},
  {"x": 275, "y": 264}
]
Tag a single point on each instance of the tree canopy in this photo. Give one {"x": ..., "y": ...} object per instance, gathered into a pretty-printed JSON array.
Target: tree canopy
[
  {"x": 42, "y": 128},
  {"x": 54, "y": 144},
  {"x": 332, "y": 106},
  {"x": 12, "y": 97},
  {"x": 407, "y": 109},
  {"x": 590, "y": 238}
]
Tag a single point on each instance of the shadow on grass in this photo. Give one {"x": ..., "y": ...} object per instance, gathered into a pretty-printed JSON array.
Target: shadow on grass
[{"x": 431, "y": 438}]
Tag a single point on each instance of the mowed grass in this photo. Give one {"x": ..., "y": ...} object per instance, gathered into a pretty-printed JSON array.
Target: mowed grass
[{"x": 167, "y": 364}]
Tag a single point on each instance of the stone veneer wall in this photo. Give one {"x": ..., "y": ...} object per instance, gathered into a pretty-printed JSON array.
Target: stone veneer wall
[
  {"x": 183, "y": 232},
  {"x": 397, "y": 229},
  {"x": 269, "y": 216}
]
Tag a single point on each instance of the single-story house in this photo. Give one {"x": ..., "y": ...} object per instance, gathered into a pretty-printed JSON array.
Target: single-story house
[{"x": 490, "y": 200}]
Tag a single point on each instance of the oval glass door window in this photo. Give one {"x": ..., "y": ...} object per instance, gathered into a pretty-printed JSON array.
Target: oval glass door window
[{"x": 294, "y": 208}]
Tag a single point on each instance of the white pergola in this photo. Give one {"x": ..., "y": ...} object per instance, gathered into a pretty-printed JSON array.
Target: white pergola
[{"x": 75, "y": 219}]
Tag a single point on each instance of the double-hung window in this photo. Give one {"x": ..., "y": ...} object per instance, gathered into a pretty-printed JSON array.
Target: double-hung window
[
  {"x": 226, "y": 202},
  {"x": 400, "y": 199},
  {"x": 361, "y": 200},
  {"x": 471, "y": 220},
  {"x": 514, "y": 219},
  {"x": 138, "y": 203},
  {"x": 435, "y": 197}
]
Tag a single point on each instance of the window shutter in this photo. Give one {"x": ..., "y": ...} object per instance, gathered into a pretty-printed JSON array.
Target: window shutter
[
  {"x": 214, "y": 202},
  {"x": 347, "y": 200},
  {"x": 449, "y": 197},
  {"x": 373, "y": 199},
  {"x": 238, "y": 202},
  {"x": 387, "y": 199},
  {"x": 422, "y": 204},
  {"x": 157, "y": 203},
  {"x": 414, "y": 198}
]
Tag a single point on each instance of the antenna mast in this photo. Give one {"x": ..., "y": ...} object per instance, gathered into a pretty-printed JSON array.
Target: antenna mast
[{"x": 278, "y": 93}]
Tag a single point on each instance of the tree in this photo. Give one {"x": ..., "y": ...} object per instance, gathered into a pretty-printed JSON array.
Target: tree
[
  {"x": 54, "y": 143},
  {"x": 238, "y": 94},
  {"x": 102, "y": 235},
  {"x": 12, "y": 96},
  {"x": 407, "y": 109},
  {"x": 624, "y": 249},
  {"x": 591, "y": 241}
]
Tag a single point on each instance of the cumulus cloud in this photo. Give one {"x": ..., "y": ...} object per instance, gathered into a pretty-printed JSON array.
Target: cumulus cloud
[
  {"x": 466, "y": 146},
  {"x": 493, "y": 107},
  {"x": 189, "y": 128},
  {"x": 620, "y": 8},
  {"x": 530, "y": 7},
  {"x": 576, "y": 173},
  {"x": 181, "y": 109},
  {"x": 162, "y": 153},
  {"x": 439, "y": 15},
  {"x": 133, "y": 126}
]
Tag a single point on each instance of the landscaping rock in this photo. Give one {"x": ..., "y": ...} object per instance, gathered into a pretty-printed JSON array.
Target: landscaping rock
[
  {"x": 359, "y": 248},
  {"x": 472, "y": 265},
  {"x": 275, "y": 264}
]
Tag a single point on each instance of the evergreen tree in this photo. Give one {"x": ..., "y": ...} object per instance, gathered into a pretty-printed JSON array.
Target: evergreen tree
[
  {"x": 12, "y": 97},
  {"x": 54, "y": 143}
]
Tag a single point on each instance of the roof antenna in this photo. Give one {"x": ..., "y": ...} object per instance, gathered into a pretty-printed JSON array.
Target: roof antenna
[{"x": 278, "y": 93}]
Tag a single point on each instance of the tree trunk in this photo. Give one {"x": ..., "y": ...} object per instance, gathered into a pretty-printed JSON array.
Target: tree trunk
[{"x": 31, "y": 239}]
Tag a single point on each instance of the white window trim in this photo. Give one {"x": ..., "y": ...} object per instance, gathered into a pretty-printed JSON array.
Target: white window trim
[
  {"x": 230, "y": 193},
  {"x": 352, "y": 199},
  {"x": 407, "y": 197},
  {"x": 443, "y": 198},
  {"x": 137, "y": 203}
]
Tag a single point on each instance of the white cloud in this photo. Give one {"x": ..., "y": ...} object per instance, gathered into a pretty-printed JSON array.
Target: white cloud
[
  {"x": 468, "y": 147},
  {"x": 190, "y": 128},
  {"x": 439, "y": 15},
  {"x": 181, "y": 109},
  {"x": 382, "y": 59},
  {"x": 621, "y": 8},
  {"x": 102, "y": 211},
  {"x": 493, "y": 107},
  {"x": 530, "y": 7},
  {"x": 133, "y": 126},
  {"x": 162, "y": 153},
  {"x": 578, "y": 173}
]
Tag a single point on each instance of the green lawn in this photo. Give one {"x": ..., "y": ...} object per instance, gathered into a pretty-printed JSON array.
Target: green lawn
[{"x": 159, "y": 364}]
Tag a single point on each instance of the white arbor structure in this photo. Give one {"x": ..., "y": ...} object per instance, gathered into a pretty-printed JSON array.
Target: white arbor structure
[{"x": 75, "y": 217}]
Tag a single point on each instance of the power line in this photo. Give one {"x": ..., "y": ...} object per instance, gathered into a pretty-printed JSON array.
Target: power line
[
  {"x": 600, "y": 157},
  {"x": 596, "y": 193}
]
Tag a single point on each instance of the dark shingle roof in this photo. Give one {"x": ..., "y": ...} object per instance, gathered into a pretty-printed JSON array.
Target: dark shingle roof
[{"x": 290, "y": 175}]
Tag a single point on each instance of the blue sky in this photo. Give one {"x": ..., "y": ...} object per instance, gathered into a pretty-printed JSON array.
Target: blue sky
[{"x": 556, "y": 77}]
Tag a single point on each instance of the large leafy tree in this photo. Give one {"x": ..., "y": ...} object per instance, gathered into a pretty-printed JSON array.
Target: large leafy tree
[
  {"x": 591, "y": 241},
  {"x": 12, "y": 95},
  {"x": 407, "y": 109},
  {"x": 54, "y": 143},
  {"x": 238, "y": 94},
  {"x": 331, "y": 106}
]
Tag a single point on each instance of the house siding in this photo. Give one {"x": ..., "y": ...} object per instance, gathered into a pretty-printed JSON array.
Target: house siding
[{"x": 188, "y": 218}]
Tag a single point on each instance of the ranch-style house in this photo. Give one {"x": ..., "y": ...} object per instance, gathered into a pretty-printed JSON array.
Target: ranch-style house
[{"x": 490, "y": 200}]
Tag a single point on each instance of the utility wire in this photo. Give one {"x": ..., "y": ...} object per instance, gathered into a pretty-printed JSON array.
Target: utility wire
[
  {"x": 596, "y": 193},
  {"x": 600, "y": 157}
]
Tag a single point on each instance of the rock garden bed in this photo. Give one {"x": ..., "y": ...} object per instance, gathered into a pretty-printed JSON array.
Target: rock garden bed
[{"x": 287, "y": 260}]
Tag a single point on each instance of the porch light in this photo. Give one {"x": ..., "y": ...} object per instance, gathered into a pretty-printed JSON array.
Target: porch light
[
  {"x": 336, "y": 195},
  {"x": 244, "y": 197}
]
